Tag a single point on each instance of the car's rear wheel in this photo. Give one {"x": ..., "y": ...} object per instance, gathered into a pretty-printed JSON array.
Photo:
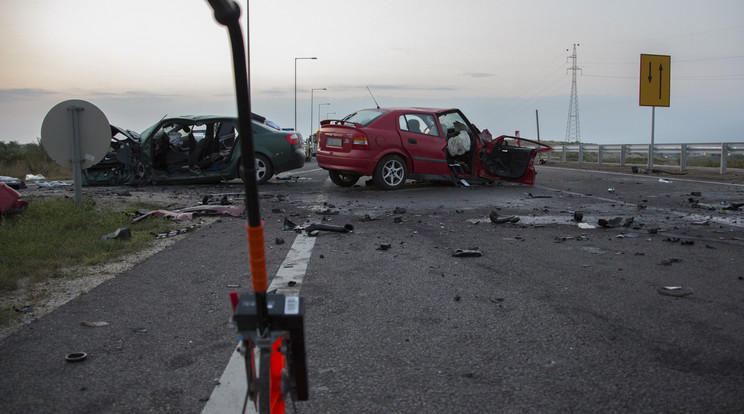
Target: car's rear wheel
[
  {"x": 343, "y": 179},
  {"x": 264, "y": 170},
  {"x": 391, "y": 172}
]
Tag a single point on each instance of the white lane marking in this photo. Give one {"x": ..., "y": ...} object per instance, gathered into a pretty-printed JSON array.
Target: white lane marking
[
  {"x": 292, "y": 271},
  {"x": 228, "y": 396}
]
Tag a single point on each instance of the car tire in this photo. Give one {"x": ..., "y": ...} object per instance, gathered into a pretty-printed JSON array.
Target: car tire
[
  {"x": 342, "y": 179},
  {"x": 391, "y": 172},
  {"x": 264, "y": 170}
]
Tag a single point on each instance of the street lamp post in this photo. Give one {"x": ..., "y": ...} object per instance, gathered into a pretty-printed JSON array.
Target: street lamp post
[
  {"x": 319, "y": 105},
  {"x": 295, "y": 98},
  {"x": 311, "y": 107}
]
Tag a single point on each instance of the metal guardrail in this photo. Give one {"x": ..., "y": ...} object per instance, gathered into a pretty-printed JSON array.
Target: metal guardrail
[{"x": 723, "y": 152}]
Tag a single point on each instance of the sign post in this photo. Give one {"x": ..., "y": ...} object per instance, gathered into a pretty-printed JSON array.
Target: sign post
[{"x": 654, "y": 90}]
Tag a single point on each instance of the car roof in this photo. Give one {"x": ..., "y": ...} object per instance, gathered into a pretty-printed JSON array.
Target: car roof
[
  {"x": 412, "y": 109},
  {"x": 254, "y": 117}
]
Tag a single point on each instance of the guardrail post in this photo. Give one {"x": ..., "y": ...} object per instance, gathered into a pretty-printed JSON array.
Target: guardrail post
[
  {"x": 724, "y": 157},
  {"x": 683, "y": 157},
  {"x": 599, "y": 154},
  {"x": 650, "y": 156},
  {"x": 563, "y": 154},
  {"x": 622, "y": 155},
  {"x": 581, "y": 153}
]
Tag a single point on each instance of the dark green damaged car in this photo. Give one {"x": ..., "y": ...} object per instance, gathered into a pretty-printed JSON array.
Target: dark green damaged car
[{"x": 194, "y": 149}]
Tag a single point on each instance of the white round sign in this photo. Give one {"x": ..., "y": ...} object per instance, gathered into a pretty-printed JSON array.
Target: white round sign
[{"x": 93, "y": 132}]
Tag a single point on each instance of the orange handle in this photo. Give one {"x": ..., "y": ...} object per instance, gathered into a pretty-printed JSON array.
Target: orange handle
[{"x": 257, "y": 254}]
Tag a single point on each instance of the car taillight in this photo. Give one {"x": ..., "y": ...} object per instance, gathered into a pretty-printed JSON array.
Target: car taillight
[
  {"x": 360, "y": 141},
  {"x": 293, "y": 139}
]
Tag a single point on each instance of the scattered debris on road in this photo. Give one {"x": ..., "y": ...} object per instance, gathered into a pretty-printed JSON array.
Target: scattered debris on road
[
  {"x": 668, "y": 262},
  {"x": 76, "y": 357},
  {"x": 472, "y": 252},
  {"x": 616, "y": 222},
  {"x": 97, "y": 324},
  {"x": 494, "y": 217},
  {"x": 676, "y": 291}
]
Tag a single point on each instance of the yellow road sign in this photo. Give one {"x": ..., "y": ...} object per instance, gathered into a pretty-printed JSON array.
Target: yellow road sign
[{"x": 655, "y": 75}]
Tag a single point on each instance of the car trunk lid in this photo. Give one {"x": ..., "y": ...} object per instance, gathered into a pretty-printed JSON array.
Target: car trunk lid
[{"x": 341, "y": 136}]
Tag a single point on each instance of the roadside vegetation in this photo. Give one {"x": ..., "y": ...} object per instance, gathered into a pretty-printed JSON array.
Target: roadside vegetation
[
  {"x": 53, "y": 237},
  {"x": 17, "y": 160}
]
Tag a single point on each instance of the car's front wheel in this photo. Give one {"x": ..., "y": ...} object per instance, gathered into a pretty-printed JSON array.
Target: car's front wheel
[
  {"x": 264, "y": 170},
  {"x": 343, "y": 179},
  {"x": 391, "y": 172}
]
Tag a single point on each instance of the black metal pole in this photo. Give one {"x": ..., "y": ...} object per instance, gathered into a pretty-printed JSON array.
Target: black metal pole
[{"x": 227, "y": 13}]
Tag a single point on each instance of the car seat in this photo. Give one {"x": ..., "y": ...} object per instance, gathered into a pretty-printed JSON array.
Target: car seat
[{"x": 414, "y": 126}]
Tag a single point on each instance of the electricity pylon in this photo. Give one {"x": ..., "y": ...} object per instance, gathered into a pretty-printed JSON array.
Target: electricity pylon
[{"x": 573, "y": 132}]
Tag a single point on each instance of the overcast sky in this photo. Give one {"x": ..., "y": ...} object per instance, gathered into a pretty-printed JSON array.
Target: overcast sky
[{"x": 499, "y": 61}]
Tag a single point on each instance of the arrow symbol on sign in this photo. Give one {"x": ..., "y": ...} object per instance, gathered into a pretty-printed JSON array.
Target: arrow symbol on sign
[
  {"x": 661, "y": 78},
  {"x": 649, "y": 73}
]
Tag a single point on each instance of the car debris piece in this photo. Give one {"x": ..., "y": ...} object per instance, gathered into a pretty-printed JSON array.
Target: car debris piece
[
  {"x": 211, "y": 200},
  {"x": 399, "y": 210},
  {"x": 328, "y": 212},
  {"x": 616, "y": 222},
  {"x": 494, "y": 217},
  {"x": 76, "y": 357},
  {"x": 139, "y": 330},
  {"x": 472, "y": 252},
  {"x": 171, "y": 233},
  {"x": 10, "y": 200},
  {"x": 732, "y": 206},
  {"x": 290, "y": 225},
  {"x": 668, "y": 262},
  {"x": 12, "y": 182},
  {"x": 665, "y": 181},
  {"x": 97, "y": 324},
  {"x": 187, "y": 214},
  {"x": 384, "y": 246},
  {"x": 313, "y": 229},
  {"x": 538, "y": 196},
  {"x": 676, "y": 291},
  {"x": 586, "y": 226},
  {"x": 120, "y": 234}
]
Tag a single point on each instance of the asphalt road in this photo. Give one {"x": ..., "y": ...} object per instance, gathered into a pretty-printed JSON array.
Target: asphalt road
[{"x": 551, "y": 318}]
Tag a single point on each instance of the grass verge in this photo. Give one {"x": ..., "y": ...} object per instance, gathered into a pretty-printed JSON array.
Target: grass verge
[{"x": 56, "y": 234}]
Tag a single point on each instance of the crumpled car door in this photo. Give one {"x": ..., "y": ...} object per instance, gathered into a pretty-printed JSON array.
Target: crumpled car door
[{"x": 506, "y": 158}]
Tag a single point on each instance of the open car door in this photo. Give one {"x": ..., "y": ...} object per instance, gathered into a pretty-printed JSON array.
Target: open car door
[{"x": 510, "y": 158}]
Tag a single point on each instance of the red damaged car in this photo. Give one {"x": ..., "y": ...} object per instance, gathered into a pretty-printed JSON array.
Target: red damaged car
[{"x": 395, "y": 144}]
